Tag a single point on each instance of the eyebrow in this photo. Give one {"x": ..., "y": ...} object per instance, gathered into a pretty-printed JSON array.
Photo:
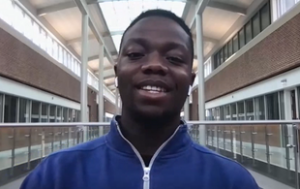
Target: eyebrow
[{"x": 147, "y": 43}]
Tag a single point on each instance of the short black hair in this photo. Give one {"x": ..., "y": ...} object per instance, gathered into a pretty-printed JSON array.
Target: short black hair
[{"x": 166, "y": 14}]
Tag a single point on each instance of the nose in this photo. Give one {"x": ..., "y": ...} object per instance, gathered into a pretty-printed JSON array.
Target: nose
[{"x": 155, "y": 65}]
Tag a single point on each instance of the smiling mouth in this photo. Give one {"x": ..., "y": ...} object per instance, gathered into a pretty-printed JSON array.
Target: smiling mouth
[{"x": 153, "y": 89}]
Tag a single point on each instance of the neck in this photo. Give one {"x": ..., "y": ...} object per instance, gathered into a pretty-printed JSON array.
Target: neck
[{"x": 147, "y": 135}]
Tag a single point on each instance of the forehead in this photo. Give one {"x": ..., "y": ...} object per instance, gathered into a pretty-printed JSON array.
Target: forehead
[{"x": 157, "y": 28}]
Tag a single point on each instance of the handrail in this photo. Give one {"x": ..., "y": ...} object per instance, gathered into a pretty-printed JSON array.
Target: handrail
[{"x": 77, "y": 124}]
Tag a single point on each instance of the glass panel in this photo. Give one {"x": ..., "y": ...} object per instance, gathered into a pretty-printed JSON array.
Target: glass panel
[
  {"x": 230, "y": 48},
  {"x": 256, "y": 25},
  {"x": 65, "y": 114},
  {"x": 265, "y": 16},
  {"x": 36, "y": 33},
  {"x": 233, "y": 111},
  {"x": 248, "y": 30},
  {"x": 43, "y": 38},
  {"x": 59, "y": 114},
  {"x": 225, "y": 51},
  {"x": 10, "y": 109},
  {"x": 18, "y": 16},
  {"x": 235, "y": 44},
  {"x": 242, "y": 38},
  {"x": 249, "y": 109},
  {"x": 24, "y": 110},
  {"x": 259, "y": 108},
  {"x": 28, "y": 27},
  {"x": 221, "y": 56},
  {"x": 1, "y": 107},
  {"x": 272, "y": 106},
  {"x": 7, "y": 12},
  {"x": 49, "y": 45},
  {"x": 241, "y": 110},
  {"x": 35, "y": 112},
  {"x": 44, "y": 117},
  {"x": 227, "y": 114},
  {"x": 52, "y": 113}
]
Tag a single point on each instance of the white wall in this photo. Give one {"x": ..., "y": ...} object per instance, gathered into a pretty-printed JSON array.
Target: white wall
[{"x": 11, "y": 87}]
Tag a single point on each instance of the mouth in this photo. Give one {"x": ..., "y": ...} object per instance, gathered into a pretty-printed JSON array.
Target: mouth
[{"x": 153, "y": 89}]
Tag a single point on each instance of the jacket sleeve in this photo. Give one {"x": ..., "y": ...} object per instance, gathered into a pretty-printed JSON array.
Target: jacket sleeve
[
  {"x": 244, "y": 180},
  {"x": 40, "y": 178}
]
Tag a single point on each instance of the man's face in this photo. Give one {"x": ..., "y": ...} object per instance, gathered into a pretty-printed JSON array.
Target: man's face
[{"x": 154, "y": 68}]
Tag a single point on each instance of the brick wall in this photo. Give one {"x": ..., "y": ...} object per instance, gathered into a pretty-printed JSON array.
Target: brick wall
[
  {"x": 21, "y": 63},
  {"x": 277, "y": 53}
]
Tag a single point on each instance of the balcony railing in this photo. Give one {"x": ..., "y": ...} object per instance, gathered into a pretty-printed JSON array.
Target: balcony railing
[{"x": 268, "y": 147}]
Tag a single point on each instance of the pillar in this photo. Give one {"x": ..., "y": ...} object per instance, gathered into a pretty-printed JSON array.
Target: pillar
[{"x": 201, "y": 98}]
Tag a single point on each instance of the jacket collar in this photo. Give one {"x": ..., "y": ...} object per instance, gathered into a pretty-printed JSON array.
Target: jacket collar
[{"x": 178, "y": 143}]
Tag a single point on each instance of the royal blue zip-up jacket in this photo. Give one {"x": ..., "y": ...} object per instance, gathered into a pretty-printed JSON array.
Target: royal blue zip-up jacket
[{"x": 111, "y": 162}]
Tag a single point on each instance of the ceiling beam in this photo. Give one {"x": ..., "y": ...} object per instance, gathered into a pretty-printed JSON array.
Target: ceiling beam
[
  {"x": 200, "y": 6},
  {"x": 227, "y": 7}
]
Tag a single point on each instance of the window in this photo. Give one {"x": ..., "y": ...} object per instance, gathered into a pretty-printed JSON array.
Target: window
[
  {"x": 216, "y": 61},
  {"x": 36, "y": 33},
  {"x": 249, "y": 109},
  {"x": 65, "y": 115},
  {"x": 7, "y": 12},
  {"x": 17, "y": 21},
  {"x": 227, "y": 114},
  {"x": 259, "y": 105},
  {"x": 49, "y": 45},
  {"x": 248, "y": 30},
  {"x": 256, "y": 25},
  {"x": 1, "y": 107},
  {"x": 233, "y": 111},
  {"x": 235, "y": 44},
  {"x": 52, "y": 113},
  {"x": 272, "y": 106},
  {"x": 225, "y": 51},
  {"x": 221, "y": 57},
  {"x": 43, "y": 40},
  {"x": 28, "y": 27},
  {"x": 10, "y": 109},
  {"x": 241, "y": 110},
  {"x": 55, "y": 50},
  {"x": 242, "y": 38},
  {"x": 265, "y": 16},
  {"x": 24, "y": 109},
  {"x": 35, "y": 112},
  {"x": 230, "y": 48},
  {"x": 44, "y": 116},
  {"x": 59, "y": 114}
]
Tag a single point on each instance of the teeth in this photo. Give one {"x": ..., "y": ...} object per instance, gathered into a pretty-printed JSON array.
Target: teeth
[{"x": 153, "y": 89}]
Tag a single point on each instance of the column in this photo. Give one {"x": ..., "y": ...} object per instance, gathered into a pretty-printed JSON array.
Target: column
[
  {"x": 84, "y": 72},
  {"x": 201, "y": 98},
  {"x": 84, "y": 61},
  {"x": 100, "y": 89},
  {"x": 100, "y": 83},
  {"x": 187, "y": 109}
]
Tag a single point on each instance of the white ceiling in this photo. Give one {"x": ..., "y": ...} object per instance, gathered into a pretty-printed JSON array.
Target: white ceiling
[{"x": 111, "y": 18}]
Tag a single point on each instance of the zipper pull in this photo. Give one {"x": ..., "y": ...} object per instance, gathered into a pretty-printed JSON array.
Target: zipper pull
[{"x": 146, "y": 174}]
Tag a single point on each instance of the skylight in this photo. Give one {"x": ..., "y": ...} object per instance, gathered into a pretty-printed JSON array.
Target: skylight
[{"x": 119, "y": 14}]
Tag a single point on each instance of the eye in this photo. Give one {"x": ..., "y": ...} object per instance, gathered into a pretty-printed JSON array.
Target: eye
[
  {"x": 175, "y": 60},
  {"x": 135, "y": 56}
]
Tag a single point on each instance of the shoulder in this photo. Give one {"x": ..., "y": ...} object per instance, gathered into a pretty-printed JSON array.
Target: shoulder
[
  {"x": 233, "y": 173},
  {"x": 56, "y": 167}
]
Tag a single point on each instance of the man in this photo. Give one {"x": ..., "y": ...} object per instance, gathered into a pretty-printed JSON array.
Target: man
[{"x": 148, "y": 147}]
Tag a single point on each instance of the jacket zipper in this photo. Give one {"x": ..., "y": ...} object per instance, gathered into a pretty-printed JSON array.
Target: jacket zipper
[{"x": 146, "y": 176}]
